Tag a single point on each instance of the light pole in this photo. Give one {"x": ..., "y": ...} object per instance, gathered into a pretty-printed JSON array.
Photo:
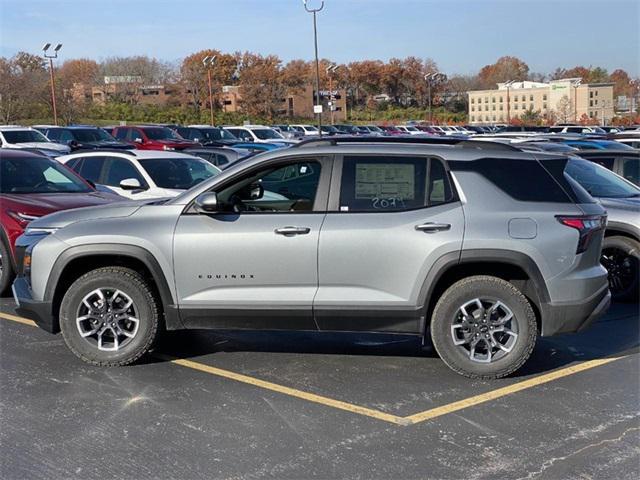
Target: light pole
[
  {"x": 431, "y": 78},
  {"x": 508, "y": 85},
  {"x": 575, "y": 86},
  {"x": 208, "y": 62},
  {"x": 318, "y": 106},
  {"x": 330, "y": 71},
  {"x": 53, "y": 84}
]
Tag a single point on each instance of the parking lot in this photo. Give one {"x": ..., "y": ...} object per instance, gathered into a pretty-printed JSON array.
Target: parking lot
[{"x": 291, "y": 405}]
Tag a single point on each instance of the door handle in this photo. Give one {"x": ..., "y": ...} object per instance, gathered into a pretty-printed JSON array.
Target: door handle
[
  {"x": 292, "y": 230},
  {"x": 431, "y": 227}
]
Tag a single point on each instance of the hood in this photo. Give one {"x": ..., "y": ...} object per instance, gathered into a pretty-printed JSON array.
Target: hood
[
  {"x": 168, "y": 142},
  {"x": 631, "y": 204},
  {"x": 67, "y": 217},
  {"x": 45, "y": 145},
  {"x": 40, "y": 204},
  {"x": 102, "y": 144}
]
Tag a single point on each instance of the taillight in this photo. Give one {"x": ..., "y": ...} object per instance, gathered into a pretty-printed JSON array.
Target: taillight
[{"x": 586, "y": 225}]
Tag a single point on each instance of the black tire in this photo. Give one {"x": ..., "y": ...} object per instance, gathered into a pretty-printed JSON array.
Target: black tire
[
  {"x": 621, "y": 258},
  {"x": 146, "y": 311},
  {"x": 6, "y": 269},
  {"x": 487, "y": 289}
]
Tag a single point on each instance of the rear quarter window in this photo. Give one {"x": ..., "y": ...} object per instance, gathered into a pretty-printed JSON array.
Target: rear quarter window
[{"x": 523, "y": 180}]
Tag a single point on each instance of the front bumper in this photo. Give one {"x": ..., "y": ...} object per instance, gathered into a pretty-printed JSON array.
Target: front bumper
[
  {"x": 38, "y": 311},
  {"x": 574, "y": 317}
]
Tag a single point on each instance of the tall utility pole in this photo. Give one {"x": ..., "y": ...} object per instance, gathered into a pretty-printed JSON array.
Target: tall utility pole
[
  {"x": 508, "y": 85},
  {"x": 431, "y": 78},
  {"x": 575, "y": 86},
  {"x": 208, "y": 62},
  {"x": 330, "y": 71},
  {"x": 318, "y": 106},
  {"x": 53, "y": 83}
]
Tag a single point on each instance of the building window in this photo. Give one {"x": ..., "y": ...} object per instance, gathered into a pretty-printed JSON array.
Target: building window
[
  {"x": 544, "y": 97},
  {"x": 590, "y": 94},
  {"x": 515, "y": 107},
  {"x": 591, "y": 103},
  {"x": 473, "y": 119},
  {"x": 486, "y": 108},
  {"x": 596, "y": 93},
  {"x": 501, "y": 118},
  {"x": 544, "y": 106},
  {"x": 531, "y": 106},
  {"x": 515, "y": 98},
  {"x": 531, "y": 98},
  {"x": 494, "y": 118},
  {"x": 493, "y": 99},
  {"x": 596, "y": 102},
  {"x": 473, "y": 108},
  {"x": 472, "y": 99},
  {"x": 493, "y": 107},
  {"x": 486, "y": 117},
  {"x": 500, "y": 99},
  {"x": 500, "y": 107},
  {"x": 486, "y": 99}
]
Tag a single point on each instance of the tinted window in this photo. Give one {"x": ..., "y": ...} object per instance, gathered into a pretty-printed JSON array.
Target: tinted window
[
  {"x": 524, "y": 180},
  {"x": 121, "y": 133},
  {"x": 23, "y": 136},
  {"x": 53, "y": 134},
  {"x": 65, "y": 136},
  {"x": 178, "y": 173},
  {"x": 286, "y": 188},
  {"x": 120, "y": 169},
  {"x": 371, "y": 184},
  {"x": 599, "y": 181},
  {"x": 38, "y": 175},
  {"x": 631, "y": 170},
  {"x": 91, "y": 168},
  {"x": 160, "y": 133}
]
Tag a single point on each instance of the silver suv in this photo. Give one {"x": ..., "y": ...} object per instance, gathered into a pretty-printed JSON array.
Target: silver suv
[{"x": 480, "y": 248}]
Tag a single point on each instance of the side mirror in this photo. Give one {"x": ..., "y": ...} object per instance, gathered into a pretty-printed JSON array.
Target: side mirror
[
  {"x": 256, "y": 191},
  {"x": 130, "y": 184},
  {"x": 137, "y": 140},
  {"x": 206, "y": 202}
]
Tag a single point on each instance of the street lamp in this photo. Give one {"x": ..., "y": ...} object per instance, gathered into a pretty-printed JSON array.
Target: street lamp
[
  {"x": 431, "y": 78},
  {"x": 318, "y": 106},
  {"x": 208, "y": 63},
  {"x": 45, "y": 48},
  {"x": 331, "y": 69},
  {"x": 508, "y": 84},
  {"x": 575, "y": 86}
]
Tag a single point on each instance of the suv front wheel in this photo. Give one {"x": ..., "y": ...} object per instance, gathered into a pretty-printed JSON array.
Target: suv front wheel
[
  {"x": 109, "y": 316},
  {"x": 483, "y": 327}
]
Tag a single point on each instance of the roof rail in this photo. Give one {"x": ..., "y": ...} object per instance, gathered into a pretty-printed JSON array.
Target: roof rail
[
  {"x": 128, "y": 151},
  {"x": 460, "y": 142}
]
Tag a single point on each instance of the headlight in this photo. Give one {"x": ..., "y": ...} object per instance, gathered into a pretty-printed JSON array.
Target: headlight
[{"x": 22, "y": 218}]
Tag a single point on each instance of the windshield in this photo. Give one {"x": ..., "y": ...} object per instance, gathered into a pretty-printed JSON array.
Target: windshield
[
  {"x": 161, "y": 133},
  {"x": 599, "y": 181},
  {"x": 24, "y": 136},
  {"x": 215, "y": 134},
  {"x": 266, "y": 134},
  {"x": 38, "y": 175},
  {"x": 178, "y": 173},
  {"x": 91, "y": 135}
]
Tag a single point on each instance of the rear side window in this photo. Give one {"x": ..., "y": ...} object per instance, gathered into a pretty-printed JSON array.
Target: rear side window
[
  {"x": 383, "y": 184},
  {"x": 631, "y": 170},
  {"x": 558, "y": 170},
  {"x": 91, "y": 168},
  {"x": 523, "y": 180},
  {"x": 121, "y": 133}
]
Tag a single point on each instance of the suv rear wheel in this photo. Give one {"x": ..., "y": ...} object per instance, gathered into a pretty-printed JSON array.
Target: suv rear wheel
[
  {"x": 109, "y": 316},
  {"x": 483, "y": 327},
  {"x": 621, "y": 258}
]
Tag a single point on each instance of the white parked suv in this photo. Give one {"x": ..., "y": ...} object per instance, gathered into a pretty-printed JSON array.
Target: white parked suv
[
  {"x": 27, "y": 137},
  {"x": 305, "y": 129},
  {"x": 258, "y": 134},
  {"x": 141, "y": 174}
]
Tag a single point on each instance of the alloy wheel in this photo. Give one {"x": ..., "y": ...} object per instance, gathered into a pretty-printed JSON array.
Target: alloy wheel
[
  {"x": 622, "y": 269},
  {"x": 107, "y": 319},
  {"x": 484, "y": 329}
]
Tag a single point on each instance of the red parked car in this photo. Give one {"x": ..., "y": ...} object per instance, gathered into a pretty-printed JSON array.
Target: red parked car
[
  {"x": 152, "y": 138},
  {"x": 391, "y": 130},
  {"x": 32, "y": 186}
]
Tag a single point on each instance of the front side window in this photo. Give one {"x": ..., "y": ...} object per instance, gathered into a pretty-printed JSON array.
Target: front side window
[
  {"x": 178, "y": 173},
  {"x": 288, "y": 188},
  {"x": 383, "y": 184},
  {"x": 38, "y": 175},
  {"x": 121, "y": 169}
]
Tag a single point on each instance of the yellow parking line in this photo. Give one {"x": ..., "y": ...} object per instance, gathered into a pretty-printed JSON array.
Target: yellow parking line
[
  {"x": 377, "y": 414},
  {"x": 311, "y": 397},
  {"x": 13, "y": 318},
  {"x": 508, "y": 390}
]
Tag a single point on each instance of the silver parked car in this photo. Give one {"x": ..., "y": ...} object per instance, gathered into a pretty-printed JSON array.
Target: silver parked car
[{"x": 478, "y": 248}]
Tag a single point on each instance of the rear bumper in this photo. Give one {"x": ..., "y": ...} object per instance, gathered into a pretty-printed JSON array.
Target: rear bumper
[
  {"x": 574, "y": 317},
  {"x": 38, "y": 311}
]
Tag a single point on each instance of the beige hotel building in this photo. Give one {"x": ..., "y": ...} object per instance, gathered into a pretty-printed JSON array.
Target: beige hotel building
[{"x": 511, "y": 100}]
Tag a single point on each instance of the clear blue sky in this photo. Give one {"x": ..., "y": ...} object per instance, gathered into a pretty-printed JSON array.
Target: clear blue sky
[{"x": 460, "y": 35}]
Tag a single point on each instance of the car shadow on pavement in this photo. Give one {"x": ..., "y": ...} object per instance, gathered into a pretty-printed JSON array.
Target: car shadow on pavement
[{"x": 616, "y": 334}]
